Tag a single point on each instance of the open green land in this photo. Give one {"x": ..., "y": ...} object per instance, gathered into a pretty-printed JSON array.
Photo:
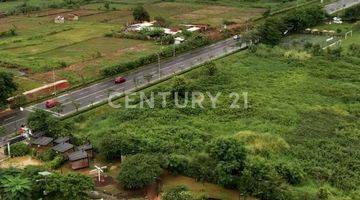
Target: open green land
[
  {"x": 78, "y": 50},
  {"x": 302, "y": 112}
]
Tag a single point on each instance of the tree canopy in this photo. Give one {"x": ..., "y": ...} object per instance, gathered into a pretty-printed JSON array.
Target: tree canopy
[
  {"x": 140, "y": 14},
  {"x": 139, "y": 171},
  {"x": 7, "y": 87}
]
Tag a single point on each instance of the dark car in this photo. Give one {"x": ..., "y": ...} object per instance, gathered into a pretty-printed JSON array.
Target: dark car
[
  {"x": 51, "y": 103},
  {"x": 120, "y": 79}
]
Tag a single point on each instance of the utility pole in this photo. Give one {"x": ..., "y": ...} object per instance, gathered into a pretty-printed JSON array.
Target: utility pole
[{"x": 159, "y": 65}]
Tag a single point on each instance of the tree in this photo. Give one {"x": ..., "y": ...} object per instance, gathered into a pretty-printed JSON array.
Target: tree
[
  {"x": 227, "y": 149},
  {"x": 114, "y": 146},
  {"x": 262, "y": 181},
  {"x": 231, "y": 156},
  {"x": 272, "y": 31},
  {"x": 352, "y": 14},
  {"x": 7, "y": 87},
  {"x": 69, "y": 186},
  {"x": 139, "y": 171},
  {"x": 43, "y": 121},
  {"x": 140, "y": 14},
  {"x": 179, "y": 192},
  {"x": 15, "y": 188}
]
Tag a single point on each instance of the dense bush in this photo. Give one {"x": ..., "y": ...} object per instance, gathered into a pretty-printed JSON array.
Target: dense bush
[
  {"x": 41, "y": 120},
  {"x": 139, "y": 170},
  {"x": 7, "y": 87},
  {"x": 140, "y": 14},
  {"x": 56, "y": 162},
  {"x": 114, "y": 146},
  {"x": 262, "y": 181},
  {"x": 195, "y": 42},
  {"x": 68, "y": 186},
  {"x": 352, "y": 14},
  {"x": 47, "y": 155},
  {"x": 177, "y": 193},
  {"x": 178, "y": 164},
  {"x": 354, "y": 49},
  {"x": 274, "y": 28},
  {"x": 18, "y": 149}
]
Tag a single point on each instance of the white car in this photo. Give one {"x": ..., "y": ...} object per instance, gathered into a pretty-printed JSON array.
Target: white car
[{"x": 236, "y": 37}]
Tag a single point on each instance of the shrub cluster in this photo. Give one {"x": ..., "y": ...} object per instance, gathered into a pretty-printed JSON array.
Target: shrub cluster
[
  {"x": 18, "y": 149},
  {"x": 275, "y": 28},
  {"x": 191, "y": 43}
]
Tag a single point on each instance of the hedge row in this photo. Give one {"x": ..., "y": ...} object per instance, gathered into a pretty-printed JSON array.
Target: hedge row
[{"x": 191, "y": 43}]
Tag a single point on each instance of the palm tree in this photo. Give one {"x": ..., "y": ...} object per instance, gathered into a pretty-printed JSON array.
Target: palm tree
[{"x": 15, "y": 188}]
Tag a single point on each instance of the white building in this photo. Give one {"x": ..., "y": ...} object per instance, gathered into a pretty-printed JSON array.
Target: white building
[{"x": 59, "y": 20}]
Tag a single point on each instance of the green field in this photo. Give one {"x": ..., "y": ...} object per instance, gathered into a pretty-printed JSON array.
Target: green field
[
  {"x": 312, "y": 104},
  {"x": 78, "y": 50}
]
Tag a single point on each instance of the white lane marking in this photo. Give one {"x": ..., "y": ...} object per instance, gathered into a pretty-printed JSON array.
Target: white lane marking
[
  {"x": 13, "y": 122},
  {"x": 10, "y": 118}
]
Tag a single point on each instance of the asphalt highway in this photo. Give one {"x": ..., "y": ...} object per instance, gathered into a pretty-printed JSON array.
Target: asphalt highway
[
  {"x": 86, "y": 97},
  {"x": 340, "y": 5}
]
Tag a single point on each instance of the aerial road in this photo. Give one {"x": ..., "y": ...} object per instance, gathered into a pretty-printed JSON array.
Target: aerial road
[
  {"x": 88, "y": 96},
  {"x": 340, "y": 5}
]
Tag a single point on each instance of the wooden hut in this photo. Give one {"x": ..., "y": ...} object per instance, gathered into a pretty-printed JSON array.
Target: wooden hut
[
  {"x": 63, "y": 148},
  {"x": 88, "y": 149},
  {"x": 42, "y": 143},
  {"x": 79, "y": 159},
  {"x": 37, "y": 135},
  {"x": 62, "y": 140}
]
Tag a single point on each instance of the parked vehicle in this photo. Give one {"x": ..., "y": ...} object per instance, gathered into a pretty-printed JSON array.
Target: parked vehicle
[
  {"x": 51, "y": 103},
  {"x": 236, "y": 37},
  {"x": 120, "y": 79}
]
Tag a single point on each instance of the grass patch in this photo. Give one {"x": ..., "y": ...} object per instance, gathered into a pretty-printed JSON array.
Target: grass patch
[{"x": 300, "y": 111}]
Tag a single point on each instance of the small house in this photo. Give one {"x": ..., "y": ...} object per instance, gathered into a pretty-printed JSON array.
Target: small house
[
  {"x": 73, "y": 17},
  {"x": 88, "y": 149},
  {"x": 78, "y": 159},
  {"x": 59, "y": 20},
  {"x": 63, "y": 148},
  {"x": 172, "y": 31},
  {"x": 42, "y": 143},
  {"x": 62, "y": 140}
]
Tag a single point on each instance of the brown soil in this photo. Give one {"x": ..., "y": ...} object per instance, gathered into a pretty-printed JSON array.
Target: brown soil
[{"x": 104, "y": 181}]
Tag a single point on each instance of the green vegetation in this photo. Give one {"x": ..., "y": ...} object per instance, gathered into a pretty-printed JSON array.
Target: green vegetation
[
  {"x": 177, "y": 193},
  {"x": 41, "y": 120},
  {"x": 15, "y": 188},
  {"x": 18, "y": 149},
  {"x": 26, "y": 183},
  {"x": 274, "y": 29},
  {"x": 7, "y": 87},
  {"x": 299, "y": 127},
  {"x": 140, "y": 14},
  {"x": 139, "y": 171}
]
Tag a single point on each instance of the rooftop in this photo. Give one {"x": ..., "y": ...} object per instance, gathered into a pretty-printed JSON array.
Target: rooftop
[
  {"x": 62, "y": 147},
  {"x": 78, "y": 155},
  {"x": 42, "y": 141}
]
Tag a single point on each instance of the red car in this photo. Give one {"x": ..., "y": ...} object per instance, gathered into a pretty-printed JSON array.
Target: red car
[
  {"x": 120, "y": 79},
  {"x": 51, "y": 103}
]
